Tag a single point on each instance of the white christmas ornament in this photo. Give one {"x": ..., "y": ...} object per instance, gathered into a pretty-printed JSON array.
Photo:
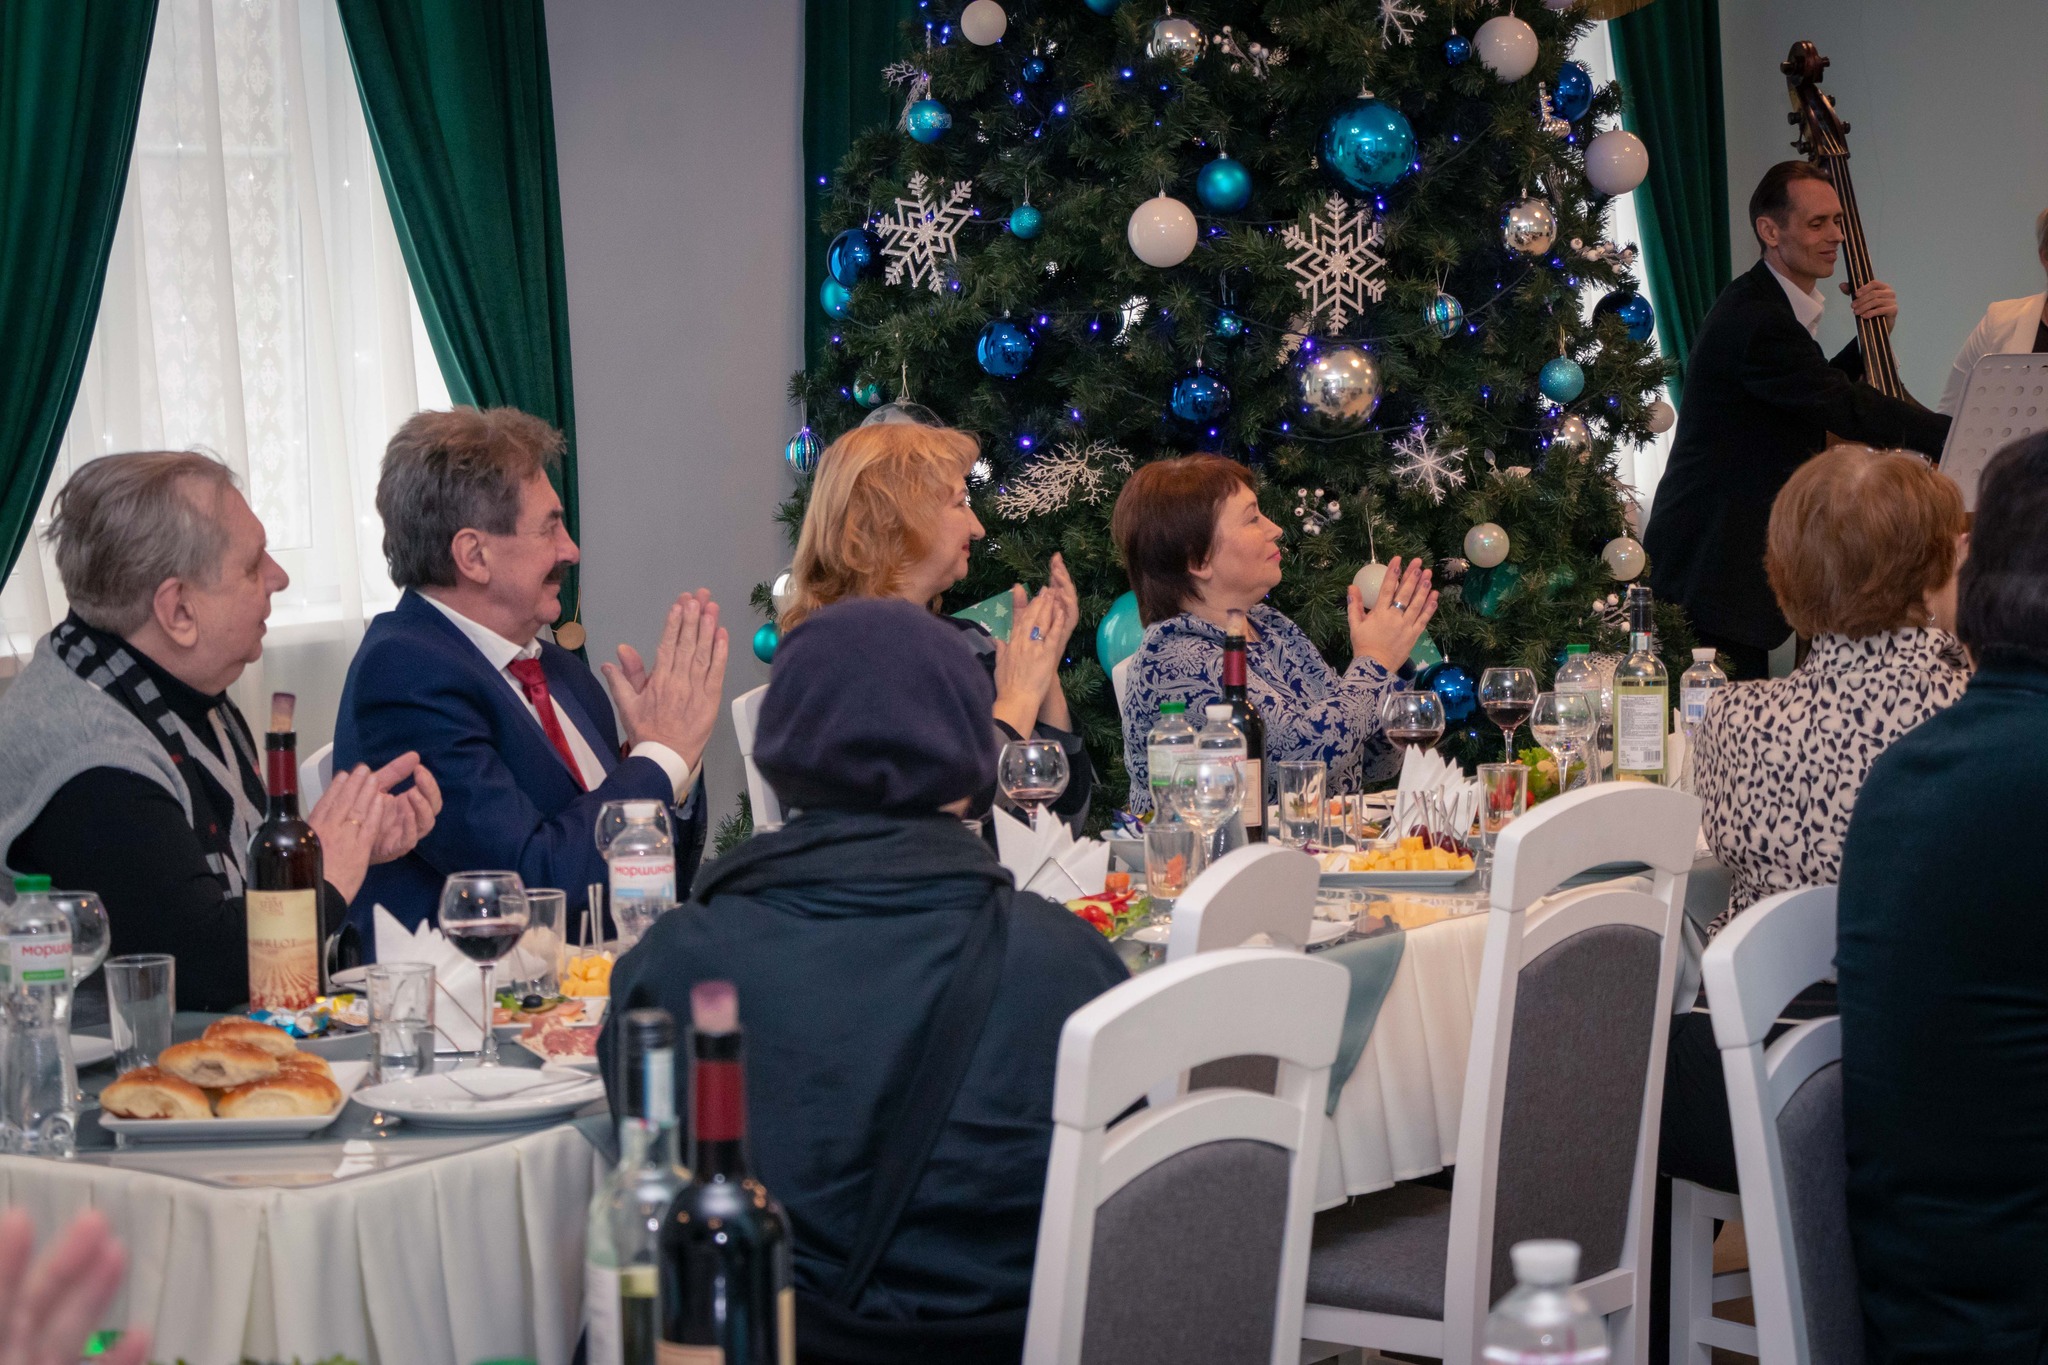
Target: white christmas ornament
[
  {"x": 1336, "y": 261},
  {"x": 1056, "y": 478},
  {"x": 1624, "y": 558},
  {"x": 1617, "y": 161},
  {"x": 1429, "y": 465},
  {"x": 917, "y": 235},
  {"x": 1367, "y": 580},
  {"x": 983, "y": 22},
  {"x": 1571, "y": 433},
  {"x": 1486, "y": 544},
  {"x": 1507, "y": 47},
  {"x": 1162, "y": 231},
  {"x": 1662, "y": 417}
]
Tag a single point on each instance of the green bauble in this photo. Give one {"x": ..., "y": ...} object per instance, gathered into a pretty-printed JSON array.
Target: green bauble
[
  {"x": 1486, "y": 589},
  {"x": 765, "y": 640}
]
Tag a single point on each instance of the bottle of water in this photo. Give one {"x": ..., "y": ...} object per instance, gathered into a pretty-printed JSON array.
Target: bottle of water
[
  {"x": 1577, "y": 674},
  {"x": 38, "y": 1111},
  {"x": 641, "y": 859},
  {"x": 1219, "y": 737},
  {"x": 1695, "y": 685},
  {"x": 1172, "y": 739},
  {"x": 1543, "y": 1320}
]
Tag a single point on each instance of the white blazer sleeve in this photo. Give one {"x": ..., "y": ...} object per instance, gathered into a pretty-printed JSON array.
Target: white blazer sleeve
[{"x": 1982, "y": 339}]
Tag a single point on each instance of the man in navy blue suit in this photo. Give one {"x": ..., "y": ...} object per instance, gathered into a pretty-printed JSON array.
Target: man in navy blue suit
[{"x": 517, "y": 730}]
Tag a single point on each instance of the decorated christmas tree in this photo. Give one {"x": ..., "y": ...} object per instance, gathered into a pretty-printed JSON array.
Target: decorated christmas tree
[{"x": 1344, "y": 241}]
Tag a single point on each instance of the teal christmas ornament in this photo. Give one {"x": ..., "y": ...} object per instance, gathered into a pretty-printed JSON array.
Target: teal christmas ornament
[
  {"x": 1003, "y": 349},
  {"x": 1632, "y": 309},
  {"x": 1457, "y": 50},
  {"x": 765, "y": 640},
  {"x": 1025, "y": 221},
  {"x": 1034, "y": 70},
  {"x": 1571, "y": 95},
  {"x": 1562, "y": 380},
  {"x": 1229, "y": 324},
  {"x": 803, "y": 450},
  {"x": 1368, "y": 145},
  {"x": 1224, "y": 186},
  {"x": 1200, "y": 397},
  {"x": 1453, "y": 686},
  {"x": 852, "y": 255},
  {"x": 867, "y": 393},
  {"x": 1485, "y": 589},
  {"x": 1104, "y": 6},
  {"x": 1120, "y": 633},
  {"x": 1425, "y": 652},
  {"x": 1444, "y": 314},
  {"x": 834, "y": 297},
  {"x": 928, "y": 120}
]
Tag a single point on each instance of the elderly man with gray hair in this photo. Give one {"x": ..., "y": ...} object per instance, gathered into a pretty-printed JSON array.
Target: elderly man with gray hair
[{"x": 124, "y": 768}]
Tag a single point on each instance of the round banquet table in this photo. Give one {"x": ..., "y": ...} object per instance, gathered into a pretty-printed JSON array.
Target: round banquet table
[{"x": 372, "y": 1240}]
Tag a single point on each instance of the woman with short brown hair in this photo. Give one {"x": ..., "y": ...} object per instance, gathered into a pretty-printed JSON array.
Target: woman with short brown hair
[{"x": 1196, "y": 548}]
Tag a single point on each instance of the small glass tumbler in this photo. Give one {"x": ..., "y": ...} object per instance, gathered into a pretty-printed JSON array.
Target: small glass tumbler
[
  {"x": 535, "y": 966},
  {"x": 1503, "y": 795},
  {"x": 142, "y": 995},
  {"x": 1173, "y": 855},
  {"x": 1304, "y": 791},
  {"x": 401, "y": 1019}
]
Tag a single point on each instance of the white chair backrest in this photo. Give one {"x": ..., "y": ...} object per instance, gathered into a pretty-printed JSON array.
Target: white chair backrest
[
  {"x": 1120, "y": 680},
  {"x": 1257, "y": 889},
  {"x": 1148, "y": 1196},
  {"x": 1564, "y": 1083},
  {"x": 316, "y": 770},
  {"x": 1785, "y": 1107},
  {"x": 761, "y": 798}
]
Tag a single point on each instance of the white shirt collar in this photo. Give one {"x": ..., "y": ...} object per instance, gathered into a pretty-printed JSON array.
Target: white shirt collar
[
  {"x": 1807, "y": 305},
  {"x": 493, "y": 646}
]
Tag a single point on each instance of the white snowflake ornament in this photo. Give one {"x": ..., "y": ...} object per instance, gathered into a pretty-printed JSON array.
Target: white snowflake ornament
[
  {"x": 1427, "y": 463},
  {"x": 1062, "y": 474},
  {"x": 1398, "y": 19},
  {"x": 1336, "y": 261},
  {"x": 918, "y": 233}
]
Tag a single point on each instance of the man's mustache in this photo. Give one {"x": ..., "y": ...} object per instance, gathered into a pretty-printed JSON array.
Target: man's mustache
[{"x": 556, "y": 574}]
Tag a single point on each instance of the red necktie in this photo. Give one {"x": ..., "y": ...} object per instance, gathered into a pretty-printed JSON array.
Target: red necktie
[{"x": 534, "y": 683}]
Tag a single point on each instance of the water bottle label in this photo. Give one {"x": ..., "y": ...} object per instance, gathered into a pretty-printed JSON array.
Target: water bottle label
[
  {"x": 644, "y": 879},
  {"x": 1693, "y": 702},
  {"x": 42, "y": 960},
  {"x": 605, "y": 1342}
]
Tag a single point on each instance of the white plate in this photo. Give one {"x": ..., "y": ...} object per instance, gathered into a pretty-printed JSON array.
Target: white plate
[
  {"x": 347, "y": 1075},
  {"x": 1397, "y": 880},
  {"x": 350, "y": 978},
  {"x": 442, "y": 1101},
  {"x": 593, "y": 1014},
  {"x": 86, "y": 1050},
  {"x": 1327, "y": 930}
]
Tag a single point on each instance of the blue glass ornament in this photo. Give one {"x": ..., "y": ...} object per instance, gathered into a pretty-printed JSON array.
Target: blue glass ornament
[
  {"x": 1444, "y": 314},
  {"x": 928, "y": 120},
  {"x": 1003, "y": 349},
  {"x": 1229, "y": 324},
  {"x": 1025, "y": 221},
  {"x": 1457, "y": 50},
  {"x": 867, "y": 393},
  {"x": 1634, "y": 311},
  {"x": 853, "y": 254},
  {"x": 765, "y": 640},
  {"x": 803, "y": 450},
  {"x": 1368, "y": 145},
  {"x": 1120, "y": 633},
  {"x": 1034, "y": 70},
  {"x": 1200, "y": 397},
  {"x": 1453, "y": 686},
  {"x": 1104, "y": 6},
  {"x": 1224, "y": 186},
  {"x": 834, "y": 297},
  {"x": 1562, "y": 380},
  {"x": 1572, "y": 93}
]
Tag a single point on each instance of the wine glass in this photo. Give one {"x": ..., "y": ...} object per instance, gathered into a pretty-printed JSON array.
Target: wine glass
[
  {"x": 484, "y": 914},
  {"x": 1508, "y": 695},
  {"x": 1412, "y": 720},
  {"x": 1207, "y": 791},
  {"x": 1032, "y": 773},
  {"x": 1559, "y": 721}
]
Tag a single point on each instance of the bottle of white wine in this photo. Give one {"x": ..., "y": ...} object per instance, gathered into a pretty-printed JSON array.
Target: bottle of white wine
[
  {"x": 622, "y": 1249},
  {"x": 1642, "y": 698}
]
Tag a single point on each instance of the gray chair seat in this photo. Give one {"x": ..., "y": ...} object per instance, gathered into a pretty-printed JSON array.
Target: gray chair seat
[{"x": 1383, "y": 1253}]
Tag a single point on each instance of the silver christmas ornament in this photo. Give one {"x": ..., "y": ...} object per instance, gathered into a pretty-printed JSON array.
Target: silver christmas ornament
[
  {"x": 1340, "y": 387},
  {"x": 1176, "y": 40},
  {"x": 1529, "y": 226},
  {"x": 1452, "y": 568},
  {"x": 1571, "y": 433}
]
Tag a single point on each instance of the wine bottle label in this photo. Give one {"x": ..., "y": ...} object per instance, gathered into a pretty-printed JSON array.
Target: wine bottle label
[
  {"x": 672, "y": 1353},
  {"x": 605, "y": 1339},
  {"x": 644, "y": 879},
  {"x": 284, "y": 949},
  {"x": 39, "y": 960},
  {"x": 1254, "y": 793},
  {"x": 785, "y": 1325},
  {"x": 636, "y": 1282},
  {"x": 1639, "y": 731}
]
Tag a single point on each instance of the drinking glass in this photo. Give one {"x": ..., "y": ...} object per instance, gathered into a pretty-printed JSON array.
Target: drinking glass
[
  {"x": 142, "y": 994},
  {"x": 401, "y": 1019},
  {"x": 483, "y": 914},
  {"x": 1032, "y": 773},
  {"x": 1208, "y": 791},
  {"x": 1304, "y": 789},
  {"x": 534, "y": 968},
  {"x": 1173, "y": 855},
  {"x": 1559, "y": 721},
  {"x": 1508, "y": 695},
  {"x": 1412, "y": 720},
  {"x": 89, "y": 933},
  {"x": 1503, "y": 795}
]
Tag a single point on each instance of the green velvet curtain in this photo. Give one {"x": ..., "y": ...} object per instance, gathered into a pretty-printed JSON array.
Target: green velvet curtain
[
  {"x": 846, "y": 45},
  {"x": 70, "y": 89},
  {"x": 462, "y": 115},
  {"x": 1668, "y": 56}
]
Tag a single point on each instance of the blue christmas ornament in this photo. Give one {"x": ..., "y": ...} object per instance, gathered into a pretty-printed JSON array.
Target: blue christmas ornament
[
  {"x": 1457, "y": 50},
  {"x": 1104, "y": 6},
  {"x": 765, "y": 640},
  {"x": 1224, "y": 186},
  {"x": 1444, "y": 314},
  {"x": 1120, "y": 633},
  {"x": 1368, "y": 145},
  {"x": 853, "y": 254},
  {"x": 1025, "y": 221},
  {"x": 834, "y": 297},
  {"x": 1633, "y": 310},
  {"x": 1200, "y": 397},
  {"x": 1572, "y": 94},
  {"x": 1034, "y": 70},
  {"x": 1562, "y": 380},
  {"x": 867, "y": 393},
  {"x": 1003, "y": 349},
  {"x": 803, "y": 450},
  {"x": 1453, "y": 686},
  {"x": 928, "y": 120},
  {"x": 1229, "y": 324}
]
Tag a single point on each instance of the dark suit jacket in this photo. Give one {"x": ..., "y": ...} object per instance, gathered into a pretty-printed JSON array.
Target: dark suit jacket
[
  {"x": 509, "y": 799},
  {"x": 1760, "y": 398}
]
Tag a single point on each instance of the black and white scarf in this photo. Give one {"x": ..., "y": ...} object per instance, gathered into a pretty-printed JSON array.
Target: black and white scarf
[{"x": 225, "y": 783}]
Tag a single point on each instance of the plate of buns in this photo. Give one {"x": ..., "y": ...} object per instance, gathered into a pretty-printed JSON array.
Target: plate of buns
[{"x": 241, "y": 1079}]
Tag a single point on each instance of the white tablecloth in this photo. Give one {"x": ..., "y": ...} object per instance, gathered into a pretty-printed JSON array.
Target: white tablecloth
[{"x": 390, "y": 1252}]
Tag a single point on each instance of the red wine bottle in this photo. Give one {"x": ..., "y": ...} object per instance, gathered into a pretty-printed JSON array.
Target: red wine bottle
[
  {"x": 283, "y": 898},
  {"x": 1246, "y": 717},
  {"x": 727, "y": 1295}
]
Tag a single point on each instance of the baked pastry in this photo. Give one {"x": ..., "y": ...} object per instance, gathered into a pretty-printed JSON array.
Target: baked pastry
[
  {"x": 306, "y": 1061},
  {"x": 254, "y": 1032},
  {"x": 297, "y": 1093},
  {"x": 217, "y": 1064},
  {"x": 150, "y": 1093}
]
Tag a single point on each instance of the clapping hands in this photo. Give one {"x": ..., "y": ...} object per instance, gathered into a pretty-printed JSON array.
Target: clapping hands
[
  {"x": 1028, "y": 665},
  {"x": 676, "y": 701},
  {"x": 1388, "y": 631},
  {"x": 362, "y": 821},
  {"x": 50, "y": 1309}
]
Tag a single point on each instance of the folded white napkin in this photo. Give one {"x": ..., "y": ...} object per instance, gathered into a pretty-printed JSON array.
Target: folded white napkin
[
  {"x": 1425, "y": 770},
  {"x": 460, "y": 981},
  {"x": 1049, "y": 860}
]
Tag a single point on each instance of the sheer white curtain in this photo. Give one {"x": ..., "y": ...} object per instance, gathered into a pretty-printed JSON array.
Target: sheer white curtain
[{"x": 256, "y": 306}]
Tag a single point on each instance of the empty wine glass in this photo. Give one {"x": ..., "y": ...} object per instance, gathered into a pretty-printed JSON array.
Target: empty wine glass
[
  {"x": 1032, "y": 773},
  {"x": 1559, "y": 721},
  {"x": 1508, "y": 695},
  {"x": 1208, "y": 791},
  {"x": 483, "y": 914},
  {"x": 1412, "y": 720}
]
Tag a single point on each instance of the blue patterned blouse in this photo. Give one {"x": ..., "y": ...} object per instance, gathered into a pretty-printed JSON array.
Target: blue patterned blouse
[{"x": 1311, "y": 711}]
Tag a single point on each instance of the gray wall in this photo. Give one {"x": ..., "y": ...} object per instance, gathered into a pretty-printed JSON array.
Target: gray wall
[
  {"x": 678, "y": 133},
  {"x": 1948, "y": 146}
]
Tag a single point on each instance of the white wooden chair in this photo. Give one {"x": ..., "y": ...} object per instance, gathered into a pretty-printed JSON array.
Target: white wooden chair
[
  {"x": 1564, "y": 1087},
  {"x": 746, "y": 718},
  {"x": 1257, "y": 889},
  {"x": 1785, "y": 1107},
  {"x": 1181, "y": 1234},
  {"x": 316, "y": 771}
]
